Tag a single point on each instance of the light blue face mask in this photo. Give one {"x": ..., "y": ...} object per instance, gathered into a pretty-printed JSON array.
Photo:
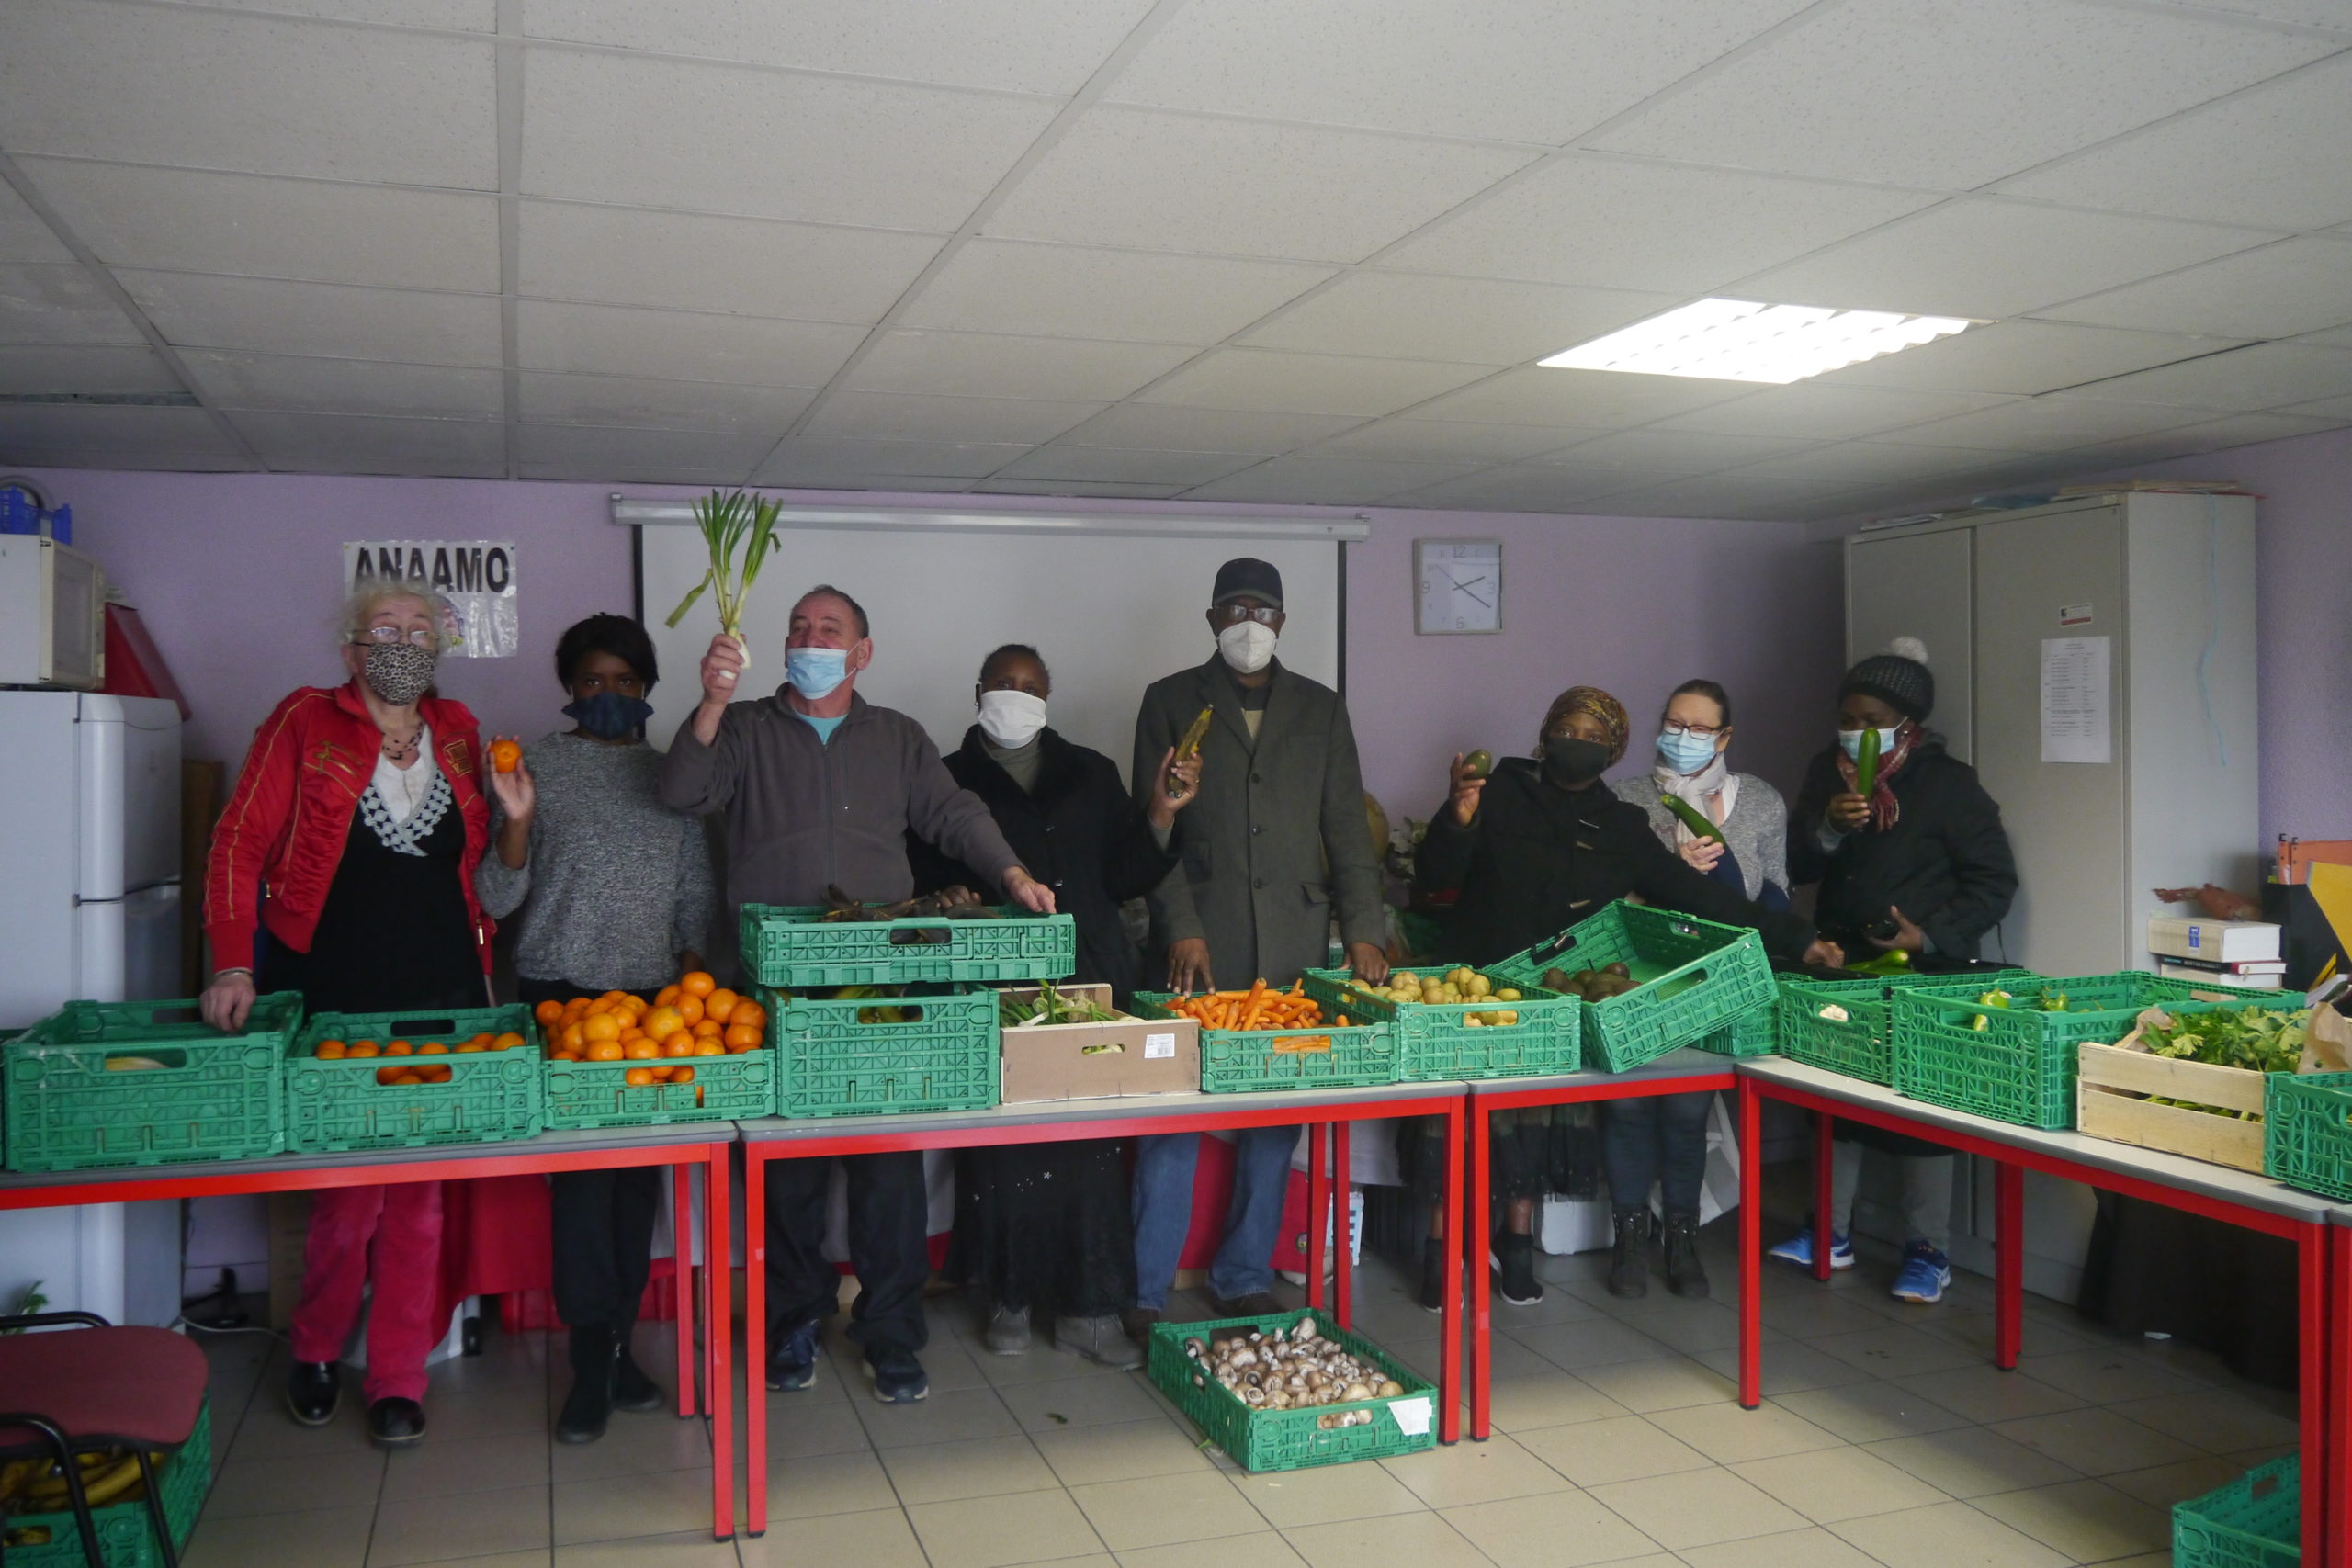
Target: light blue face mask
[
  {"x": 816, "y": 673},
  {"x": 1686, "y": 753},
  {"x": 1851, "y": 740}
]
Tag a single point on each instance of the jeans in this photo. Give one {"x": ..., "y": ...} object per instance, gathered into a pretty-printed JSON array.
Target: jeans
[
  {"x": 888, "y": 1209},
  {"x": 1927, "y": 1193},
  {"x": 1661, "y": 1139},
  {"x": 1245, "y": 1261},
  {"x": 387, "y": 1237}
]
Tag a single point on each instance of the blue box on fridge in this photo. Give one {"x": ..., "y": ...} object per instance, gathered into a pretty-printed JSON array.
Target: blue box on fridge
[{"x": 19, "y": 516}]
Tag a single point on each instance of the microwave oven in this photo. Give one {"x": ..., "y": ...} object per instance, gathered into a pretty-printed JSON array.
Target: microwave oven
[{"x": 52, "y": 615}]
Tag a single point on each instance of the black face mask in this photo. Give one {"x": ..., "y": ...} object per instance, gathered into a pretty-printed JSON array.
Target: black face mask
[
  {"x": 609, "y": 716},
  {"x": 1572, "y": 763}
]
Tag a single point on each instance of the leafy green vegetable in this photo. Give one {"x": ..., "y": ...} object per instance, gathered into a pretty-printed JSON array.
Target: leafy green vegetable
[
  {"x": 2260, "y": 1040},
  {"x": 1048, "y": 1006},
  {"x": 729, "y": 522}
]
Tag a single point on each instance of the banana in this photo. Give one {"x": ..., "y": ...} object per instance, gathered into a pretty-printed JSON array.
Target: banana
[{"x": 110, "y": 1483}]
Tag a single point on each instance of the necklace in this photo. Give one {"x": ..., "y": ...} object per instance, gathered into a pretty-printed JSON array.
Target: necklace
[{"x": 399, "y": 748}]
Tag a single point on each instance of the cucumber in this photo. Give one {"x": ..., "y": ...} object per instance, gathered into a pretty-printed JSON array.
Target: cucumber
[
  {"x": 1693, "y": 819},
  {"x": 1866, "y": 765}
]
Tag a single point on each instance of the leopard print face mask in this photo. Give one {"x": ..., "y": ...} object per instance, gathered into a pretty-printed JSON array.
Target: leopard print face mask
[{"x": 399, "y": 672}]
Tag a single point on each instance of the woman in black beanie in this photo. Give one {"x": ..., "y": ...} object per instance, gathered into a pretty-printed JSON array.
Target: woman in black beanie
[{"x": 1920, "y": 863}]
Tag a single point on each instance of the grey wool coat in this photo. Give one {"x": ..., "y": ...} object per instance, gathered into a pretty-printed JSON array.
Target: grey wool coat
[{"x": 1276, "y": 843}]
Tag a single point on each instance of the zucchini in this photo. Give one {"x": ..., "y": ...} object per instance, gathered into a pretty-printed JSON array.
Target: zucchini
[
  {"x": 1866, "y": 763},
  {"x": 1693, "y": 819}
]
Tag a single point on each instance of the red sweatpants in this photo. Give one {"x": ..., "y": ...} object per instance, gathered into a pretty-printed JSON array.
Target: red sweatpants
[{"x": 389, "y": 1237}]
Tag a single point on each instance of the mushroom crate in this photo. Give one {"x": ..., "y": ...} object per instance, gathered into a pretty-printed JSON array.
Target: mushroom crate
[{"x": 1291, "y": 1390}]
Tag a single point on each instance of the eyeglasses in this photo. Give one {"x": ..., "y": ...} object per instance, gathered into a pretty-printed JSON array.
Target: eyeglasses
[
  {"x": 1700, "y": 731},
  {"x": 1233, "y": 615},
  {"x": 415, "y": 636}
]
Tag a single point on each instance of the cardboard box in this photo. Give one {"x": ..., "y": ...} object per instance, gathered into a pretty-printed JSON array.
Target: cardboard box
[
  {"x": 1133, "y": 1056},
  {"x": 2213, "y": 941}
]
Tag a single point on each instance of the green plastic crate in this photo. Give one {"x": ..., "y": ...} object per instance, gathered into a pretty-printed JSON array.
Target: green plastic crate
[
  {"x": 1235, "y": 1061},
  {"x": 126, "y": 1530},
  {"x": 1289, "y": 1439},
  {"x": 1754, "y": 1032},
  {"x": 2256, "y": 1522},
  {"x": 2020, "y": 1067},
  {"x": 215, "y": 1097},
  {"x": 796, "y": 948},
  {"x": 1695, "y": 976},
  {"x": 1863, "y": 1047},
  {"x": 2307, "y": 1131},
  {"x": 597, "y": 1094},
  {"x": 335, "y": 1106},
  {"x": 945, "y": 1057},
  {"x": 1434, "y": 1044}
]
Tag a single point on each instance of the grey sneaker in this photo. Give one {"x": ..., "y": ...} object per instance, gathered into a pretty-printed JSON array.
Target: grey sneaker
[
  {"x": 1008, "y": 1332},
  {"x": 1099, "y": 1339}
]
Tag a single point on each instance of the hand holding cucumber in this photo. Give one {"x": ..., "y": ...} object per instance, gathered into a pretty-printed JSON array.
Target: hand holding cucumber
[
  {"x": 1700, "y": 855},
  {"x": 1850, "y": 813}
]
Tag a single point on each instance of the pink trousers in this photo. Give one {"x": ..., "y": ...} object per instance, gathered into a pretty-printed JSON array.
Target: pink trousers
[{"x": 389, "y": 1237}]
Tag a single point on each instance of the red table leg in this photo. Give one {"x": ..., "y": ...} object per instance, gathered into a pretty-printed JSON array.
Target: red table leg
[
  {"x": 2337, "y": 1455},
  {"x": 1825, "y": 1190},
  {"x": 719, "y": 1332},
  {"x": 1343, "y": 1196},
  {"x": 1752, "y": 1245},
  {"x": 1449, "y": 1314},
  {"x": 2009, "y": 1264},
  {"x": 1467, "y": 1244},
  {"x": 2312, "y": 1269},
  {"x": 683, "y": 1289},
  {"x": 755, "y": 1343},
  {"x": 1318, "y": 1208}
]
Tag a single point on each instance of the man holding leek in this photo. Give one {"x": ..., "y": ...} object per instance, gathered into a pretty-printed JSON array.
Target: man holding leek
[{"x": 820, "y": 789}]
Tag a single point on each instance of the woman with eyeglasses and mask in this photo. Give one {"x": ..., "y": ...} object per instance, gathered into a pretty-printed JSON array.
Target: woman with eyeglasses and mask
[
  {"x": 1661, "y": 1140},
  {"x": 614, "y": 891},
  {"x": 350, "y": 840},
  {"x": 1045, "y": 1228},
  {"x": 1530, "y": 850}
]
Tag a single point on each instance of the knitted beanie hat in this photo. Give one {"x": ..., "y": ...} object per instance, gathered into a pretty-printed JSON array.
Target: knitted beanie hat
[{"x": 1898, "y": 678}]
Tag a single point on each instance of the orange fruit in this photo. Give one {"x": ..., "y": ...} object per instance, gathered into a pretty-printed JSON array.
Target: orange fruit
[
  {"x": 400, "y": 1048},
  {"x": 506, "y": 1042},
  {"x": 506, "y": 756},
  {"x": 601, "y": 1026},
  {"x": 547, "y": 1011},
  {"x": 682, "y": 1074},
  {"x": 640, "y": 1050},
  {"x": 638, "y": 1077},
  {"x": 364, "y": 1048},
  {"x": 438, "y": 1073},
  {"x": 709, "y": 1048},
  {"x": 749, "y": 1013},
  {"x": 329, "y": 1051},
  {"x": 664, "y": 1021},
  {"x": 387, "y": 1077},
  {"x": 719, "y": 1003},
  {"x": 689, "y": 1008},
  {"x": 696, "y": 983},
  {"x": 674, "y": 1046},
  {"x": 603, "y": 1051},
  {"x": 574, "y": 1038},
  {"x": 707, "y": 1029},
  {"x": 433, "y": 1048},
  {"x": 468, "y": 1049},
  {"x": 739, "y": 1036},
  {"x": 666, "y": 995}
]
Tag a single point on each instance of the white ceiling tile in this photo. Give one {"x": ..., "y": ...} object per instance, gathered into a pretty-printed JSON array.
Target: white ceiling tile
[
  {"x": 1035, "y": 46},
  {"x": 107, "y": 431},
  {"x": 1541, "y": 72},
  {"x": 1812, "y": 411},
  {"x": 346, "y": 386},
  {"x": 261, "y": 315},
  {"x": 341, "y": 444},
  {"x": 2341, "y": 337},
  {"x": 2264, "y": 375},
  {"x": 1258, "y": 378},
  {"x": 1324, "y": 481},
  {"x": 1953, "y": 96},
  {"x": 2308, "y": 12},
  {"x": 1716, "y": 495},
  {"x": 2046, "y": 424},
  {"x": 898, "y": 416},
  {"x": 190, "y": 221},
  {"x": 1437, "y": 441},
  {"x": 646, "y": 132},
  {"x": 1516, "y": 487},
  {"x": 2022, "y": 357},
  {"x": 2248, "y": 430},
  {"x": 1166, "y": 181},
  {"x": 23, "y": 236},
  {"x": 621, "y": 255},
  {"x": 1122, "y": 465},
  {"x": 1597, "y": 400},
  {"x": 1474, "y": 319},
  {"x": 1665, "y": 226},
  {"x": 1105, "y": 489},
  {"x": 636, "y": 453},
  {"x": 223, "y": 461},
  {"x": 2323, "y": 408},
  {"x": 623, "y": 400},
  {"x": 59, "y": 304},
  {"x": 67, "y": 368},
  {"x": 1989, "y": 258},
  {"x": 1863, "y": 462},
  {"x": 2295, "y": 286},
  {"x": 2270, "y": 157},
  {"x": 1167, "y": 428},
  {"x": 999, "y": 285},
  {"x": 678, "y": 345},
  {"x": 978, "y": 365},
  {"x": 228, "y": 90},
  {"x": 822, "y": 461},
  {"x": 1665, "y": 451},
  {"x": 456, "y": 15}
]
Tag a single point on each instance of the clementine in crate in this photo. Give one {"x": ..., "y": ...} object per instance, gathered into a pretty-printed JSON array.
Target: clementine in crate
[
  {"x": 696, "y": 983},
  {"x": 709, "y": 1029},
  {"x": 667, "y": 995},
  {"x": 709, "y": 1048},
  {"x": 641, "y": 1050},
  {"x": 638, "y": 1077},
  {"x": 740, "y": 1037},
  {"x": 719, "y": 1004},
  {"x": 604, "y": 1051},
  {"x": 748, "y": 1014},
  {"x": 510, "y": 1041},
  {"x": 400, "y": 1048},
  {"x": 433, "y": 1048},
  {"x": 547, "y": 1011},
  {"x": 664, "y": 1021},
  {"x": 600, "y": 1026},
  {"x": 674, "y": 1046},
  {"x": 365, "y": 1048},
  {"x": 682, "y": 1074},
  {"x": 688, "y": 1009},
  {"x": 330, "y": 1051}
]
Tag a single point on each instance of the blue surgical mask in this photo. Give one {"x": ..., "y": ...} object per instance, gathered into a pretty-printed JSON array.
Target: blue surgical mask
[
  {"x": 608, "y": 715},
  {"x": 1851, "y": 740},
  {"x": 815, "y": 673},
  {"x": 1686, "y": 753}
]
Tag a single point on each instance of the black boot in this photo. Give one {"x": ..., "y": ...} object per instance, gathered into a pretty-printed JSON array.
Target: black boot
[
  {"x": 1629, "y": 1270},
  {"x": 594, "y": 1349},
  {"x": 1432, "y": 1275},
  {"x": 1515, "y": 1257},
  {"x": 632, "y": 1390},
  {"x": 1685, "y": 1275},
  {"x": 313, "y": 1390}
]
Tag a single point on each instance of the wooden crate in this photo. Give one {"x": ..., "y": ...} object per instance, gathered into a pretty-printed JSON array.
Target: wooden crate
[{"x": 2109, "y": 1105}]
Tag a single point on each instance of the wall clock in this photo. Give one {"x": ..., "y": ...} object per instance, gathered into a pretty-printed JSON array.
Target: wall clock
[{"x": 1458, "y": 586}]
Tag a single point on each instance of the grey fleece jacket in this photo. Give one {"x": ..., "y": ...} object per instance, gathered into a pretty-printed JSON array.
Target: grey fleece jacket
[{"x": 802, "y": 813}]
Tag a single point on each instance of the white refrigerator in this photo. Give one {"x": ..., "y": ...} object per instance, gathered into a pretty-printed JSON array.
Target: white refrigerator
[{"x": 90, "y": 856}]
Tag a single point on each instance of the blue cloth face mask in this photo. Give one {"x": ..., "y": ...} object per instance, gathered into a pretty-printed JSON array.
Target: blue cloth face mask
[
  {"x": 608, "y": 715},
  {"x": 1686, "y": 753},
  {"x": 1851, "y": 740},
  {"x": 815, "y": 673}
]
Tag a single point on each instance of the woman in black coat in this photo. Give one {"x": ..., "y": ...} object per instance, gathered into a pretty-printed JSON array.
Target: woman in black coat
[{"x": 1048, "y": 1227}]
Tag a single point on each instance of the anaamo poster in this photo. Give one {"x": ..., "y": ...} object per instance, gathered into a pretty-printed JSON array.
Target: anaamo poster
[{"x": 476, "y": 576}]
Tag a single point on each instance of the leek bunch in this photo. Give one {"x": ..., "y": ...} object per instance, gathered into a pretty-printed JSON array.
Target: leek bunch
[{"x": 729, "y": 523}]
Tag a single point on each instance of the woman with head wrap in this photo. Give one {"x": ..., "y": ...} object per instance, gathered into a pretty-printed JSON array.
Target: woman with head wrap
[{"x": 1538, "y": 846}]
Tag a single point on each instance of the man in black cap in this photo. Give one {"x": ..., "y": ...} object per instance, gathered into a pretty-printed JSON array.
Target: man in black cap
[{"x": 1273, "y": 848}]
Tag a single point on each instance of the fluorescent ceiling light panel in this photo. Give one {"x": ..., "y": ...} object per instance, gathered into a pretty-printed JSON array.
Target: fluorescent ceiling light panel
[{"x": 1743, "y": 340}]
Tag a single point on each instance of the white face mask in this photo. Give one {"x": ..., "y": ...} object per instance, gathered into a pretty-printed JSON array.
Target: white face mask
[
  {"x": 1011, "y": 720},
  {"x": 1247, "y": 645}
]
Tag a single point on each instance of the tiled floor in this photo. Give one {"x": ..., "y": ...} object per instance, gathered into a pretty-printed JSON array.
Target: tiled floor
[{"x": 1886, "y": 1438}]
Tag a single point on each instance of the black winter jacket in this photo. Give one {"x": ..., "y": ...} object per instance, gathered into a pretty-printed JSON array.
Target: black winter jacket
[
  {"x": 1946, "y": 864},
  {"x": 1080, "y": 834},
  {"x": 1537, "y": 859}
]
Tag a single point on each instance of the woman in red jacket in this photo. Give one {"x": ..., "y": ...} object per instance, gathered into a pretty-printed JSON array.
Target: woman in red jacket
[{"x": 351, "y": 841}]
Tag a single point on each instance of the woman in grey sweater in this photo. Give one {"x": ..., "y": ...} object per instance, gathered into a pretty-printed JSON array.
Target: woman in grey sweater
[
  {"x": 1663, "y": 1139},
  {"x": 615, "y": 893}
]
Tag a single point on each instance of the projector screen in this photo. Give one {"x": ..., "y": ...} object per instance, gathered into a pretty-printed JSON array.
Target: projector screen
[{"x": 1112, "y": 612}]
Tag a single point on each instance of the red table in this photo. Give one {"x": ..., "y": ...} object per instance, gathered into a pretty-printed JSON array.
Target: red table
[
  {"x": 682, "y": 1148},
  {"x": 2339, "y": 1390},
  {"x": 2215, "y": 1191},
  {"x": 1679, "y": 1072},
  {"x": 1062, "y": 1121}
]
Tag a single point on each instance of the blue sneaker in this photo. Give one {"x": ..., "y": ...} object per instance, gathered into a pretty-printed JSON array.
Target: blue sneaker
[
  {"x": 1924, "y": 1274},
  {"x": 1798, "y": 1249},
  {"x": 899, "y": 1378},
  {"x": 792, "y": 1365}
]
